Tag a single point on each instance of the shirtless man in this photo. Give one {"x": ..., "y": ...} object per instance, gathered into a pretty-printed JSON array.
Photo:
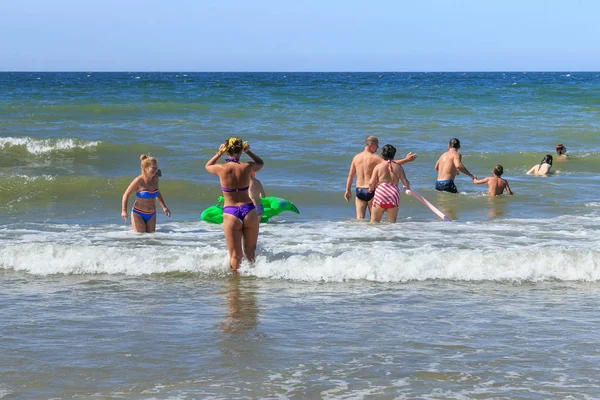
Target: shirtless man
[
  {"x": 496, "y": 184},
  {"x": 448, "y": 166},
  {"x": 362, "y": 167}
]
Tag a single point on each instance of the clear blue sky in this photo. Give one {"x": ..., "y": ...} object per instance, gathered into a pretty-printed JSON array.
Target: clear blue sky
[{"x": 300, "y": 35}]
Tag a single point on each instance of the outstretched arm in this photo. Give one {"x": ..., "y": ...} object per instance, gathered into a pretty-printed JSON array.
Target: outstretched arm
[
  {"x": 349, "y": 181},
  {"x": 480, "y": 181},
  {"x": 459, "y": 165},
  {"x": 409, "y": 157}
]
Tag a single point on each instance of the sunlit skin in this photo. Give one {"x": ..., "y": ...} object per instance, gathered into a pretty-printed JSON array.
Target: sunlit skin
[
  {"x": 148, "y": 180},
  {"x": 241, "y": 236},
  {"x": 362, "y": 167},
  {"x": 496, "y": 184},
  {"x": 544, "y": 168},
  {"x": 380, "y": 174}
]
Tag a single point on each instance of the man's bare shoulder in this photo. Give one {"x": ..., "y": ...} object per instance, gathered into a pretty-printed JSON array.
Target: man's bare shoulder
[
  {"x": 359, "y": 156},
  {"x": 446, "y": 156},
  {"x": 366, "y": 157},
  {"x": 376, "y": 157}
]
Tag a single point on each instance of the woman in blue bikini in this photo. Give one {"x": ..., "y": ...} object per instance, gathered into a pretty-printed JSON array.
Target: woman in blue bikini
[
  {"x": 145, "y": 186},
  {"x": 240, "y": 221}
]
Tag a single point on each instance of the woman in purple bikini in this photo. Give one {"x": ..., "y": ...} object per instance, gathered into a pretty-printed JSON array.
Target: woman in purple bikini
[{"x": 240, "y": 221}]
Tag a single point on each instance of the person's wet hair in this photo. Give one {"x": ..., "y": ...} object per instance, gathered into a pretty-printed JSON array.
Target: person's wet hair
[
  {"x": 454, "y": 143},
  {"x": 388, "y": 152},
  {"x": 561, "y": 149},
  {"x": 547, "y": 159},
  {"x": 498, "y": 170}
]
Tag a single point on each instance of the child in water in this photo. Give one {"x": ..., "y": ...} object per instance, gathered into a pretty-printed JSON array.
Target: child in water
[
  {"x": 496, "y": 184},
  {"x": 561, "y": 151},
  {"x": 256, "y": 191}
]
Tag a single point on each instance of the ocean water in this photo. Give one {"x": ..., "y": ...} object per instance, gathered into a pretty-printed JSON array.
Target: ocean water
[{"x": 500, "y": 303}]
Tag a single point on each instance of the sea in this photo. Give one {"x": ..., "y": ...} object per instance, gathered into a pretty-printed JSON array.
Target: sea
[{"x": 502, "y": 302}]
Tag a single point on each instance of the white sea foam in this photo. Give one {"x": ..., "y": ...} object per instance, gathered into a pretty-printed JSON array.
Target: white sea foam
[
  {"x": 513, "y": 251},
  {"x": 29, "y": 178},
  {"x": 41, "y": 146}
]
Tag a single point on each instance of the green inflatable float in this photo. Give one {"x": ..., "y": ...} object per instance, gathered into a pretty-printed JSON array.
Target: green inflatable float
[{"x": 272, "y": 205}]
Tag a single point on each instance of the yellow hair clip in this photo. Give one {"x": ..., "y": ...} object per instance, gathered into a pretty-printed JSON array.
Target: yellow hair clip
[{"x": 231, "y": 142}]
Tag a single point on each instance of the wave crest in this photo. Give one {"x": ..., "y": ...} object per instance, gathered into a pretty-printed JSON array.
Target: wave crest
[{"x": 42, "y": 146}]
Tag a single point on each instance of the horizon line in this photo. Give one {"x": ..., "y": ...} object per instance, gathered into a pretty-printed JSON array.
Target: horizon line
[{"x": 300, "y": 72}]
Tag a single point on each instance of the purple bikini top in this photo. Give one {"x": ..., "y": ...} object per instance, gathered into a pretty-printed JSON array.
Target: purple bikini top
[{"x": 226, "y": 190}]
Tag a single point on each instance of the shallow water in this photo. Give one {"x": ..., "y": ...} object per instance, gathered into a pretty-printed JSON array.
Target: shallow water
[{"x": 500, "y": 303}]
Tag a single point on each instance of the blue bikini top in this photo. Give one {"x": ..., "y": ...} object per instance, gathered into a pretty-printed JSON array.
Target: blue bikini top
[{"x": 146, "y": 194}]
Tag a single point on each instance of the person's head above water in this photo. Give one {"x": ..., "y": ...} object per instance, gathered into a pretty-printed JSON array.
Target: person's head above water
[
  {"x": 388, "y": 152},
  {"x": 547, "y": 159},
  {"x": 454, "y": 144},
  {"x": 498, "y": 170},
  {"x": 561, "y": 149},
  {"x": 372, "y": 141}
]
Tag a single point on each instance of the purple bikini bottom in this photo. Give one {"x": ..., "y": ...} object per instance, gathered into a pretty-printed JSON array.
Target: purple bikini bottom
[{"x": 239, "y": 212}]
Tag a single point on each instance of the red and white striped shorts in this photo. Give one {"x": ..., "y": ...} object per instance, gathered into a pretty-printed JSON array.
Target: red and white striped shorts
[{"x": 387, "y": 195}]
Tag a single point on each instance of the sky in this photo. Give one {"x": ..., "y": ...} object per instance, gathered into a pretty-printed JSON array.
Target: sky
[{"x": 300, "y": 35}]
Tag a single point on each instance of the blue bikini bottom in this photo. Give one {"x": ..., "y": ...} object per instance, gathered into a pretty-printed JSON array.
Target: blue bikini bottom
[{"x": 145, "y": 215}]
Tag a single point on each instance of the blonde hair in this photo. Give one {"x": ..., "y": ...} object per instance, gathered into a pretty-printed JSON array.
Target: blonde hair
[
  {"x": 146, "y": 160},
  {"x": 234, "y": 146}
]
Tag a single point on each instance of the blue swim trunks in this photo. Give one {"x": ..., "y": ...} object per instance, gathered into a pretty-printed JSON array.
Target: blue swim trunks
[
  {"x": 364, "y": 194},
  {"x": 446, "y": 185}
]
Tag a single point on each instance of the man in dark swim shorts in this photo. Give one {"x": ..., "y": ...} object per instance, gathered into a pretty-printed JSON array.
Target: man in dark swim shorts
[
  {"x": 446, "y": 185},
  {"x": 448, "y": 166},
  {"x": 364, "y": 194}
]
